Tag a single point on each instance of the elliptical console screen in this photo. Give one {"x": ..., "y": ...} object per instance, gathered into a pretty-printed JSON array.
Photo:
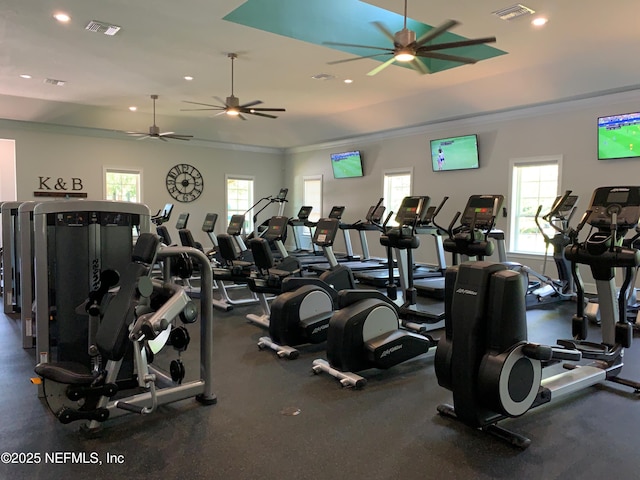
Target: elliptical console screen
[
  {"x": 412, "y": 210},
  {"x": 605, "y": 202},
  {"x": 484, "y": 208}
]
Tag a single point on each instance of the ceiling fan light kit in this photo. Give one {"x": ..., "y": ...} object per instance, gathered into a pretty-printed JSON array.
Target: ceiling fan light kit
[
  {"x": 154, "y": 130},
  {"x": 408, "y": 50},
  {"x": 232, "y": 107}
]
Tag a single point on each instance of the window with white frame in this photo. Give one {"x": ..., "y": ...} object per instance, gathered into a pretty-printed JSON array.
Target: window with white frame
[
  {"x": 312, "y": 195},
  {"x": 397, "y": 185},
  {"x": 534, "y": 183},
  {"x": 122, "y": 185},
  {"x": 240, "y": 198}
]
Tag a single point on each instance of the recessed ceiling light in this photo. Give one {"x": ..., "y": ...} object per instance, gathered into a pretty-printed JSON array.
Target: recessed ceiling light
[
  {"x": 188, "y": 78},
  {"x": 348, "y": 80},
  {"x": 540, "y": 21},
  {"x": 62, "y": 17},
  {"x": 24, "y": 75},
  {"x": 133, "y": 108}
]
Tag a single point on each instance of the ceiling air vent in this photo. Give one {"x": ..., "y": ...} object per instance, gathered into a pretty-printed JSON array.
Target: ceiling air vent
[
  {"x": 53, "y": 81},
  {"x": 514, "y": 11},
  {"x": 323, "y": 76},
  {"x": 102, "y": 27}
]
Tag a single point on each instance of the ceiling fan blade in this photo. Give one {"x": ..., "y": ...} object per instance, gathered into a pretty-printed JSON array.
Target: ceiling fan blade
[
  {"x": 336, "y": 44},
  {"x": 242, "y": 117},
  {"x": 200, "y": 109},
  {"x": 143, "y": 137},
  {"x": 381, "y": 67},
  {"x": 165, "y": 133},
  {"x": 267, "y": 110},
  {"x": 221, "y": 113},
  {"x": 203, "y": 104},
  {"x": 178, "y": 137},
  {"x": 385, "y": 31},
  {"x": 136, "y": 134},
  {"x": 250, "y": 104},
  {"x": 335, "y": 62},
  {"x": 162, "y": 138},
  {"x": 444, "y": 56},
  {"x": 434, "y": 32},
  {"x": 419, "y": 67},
  {"x": 461, "y": 43},
  {"x": 223, "y": 102},
  {"x": 262, "y": 114}
]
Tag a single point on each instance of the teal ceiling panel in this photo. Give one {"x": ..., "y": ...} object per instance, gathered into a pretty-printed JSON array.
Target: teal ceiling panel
[{"x": 346, "y": 21}]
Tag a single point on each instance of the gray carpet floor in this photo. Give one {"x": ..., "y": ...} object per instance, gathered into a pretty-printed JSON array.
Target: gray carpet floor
[{"x": 276, "y": 420}]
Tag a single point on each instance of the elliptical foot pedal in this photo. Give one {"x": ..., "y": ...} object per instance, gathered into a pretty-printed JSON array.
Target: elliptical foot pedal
[
  {"x": 347, "y": 379},
  {"x": 283, "y": 351}
]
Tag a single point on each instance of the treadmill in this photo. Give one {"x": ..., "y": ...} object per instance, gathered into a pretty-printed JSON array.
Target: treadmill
[
  {"x": 477, "y": 219},
  {"x": 379, "y": 277},
  {"x": 302, "y": 221},
  {"x": 372, "y": 221}
]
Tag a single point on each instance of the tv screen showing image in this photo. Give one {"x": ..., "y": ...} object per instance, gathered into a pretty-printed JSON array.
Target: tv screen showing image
[
  {"x": 346, "y": 164},
  {"x": 619, "y": 136},
  {"x": 454, "y": 153}
]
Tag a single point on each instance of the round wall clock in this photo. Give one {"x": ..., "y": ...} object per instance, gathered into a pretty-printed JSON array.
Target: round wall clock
[{"x": 184, "y": 182}]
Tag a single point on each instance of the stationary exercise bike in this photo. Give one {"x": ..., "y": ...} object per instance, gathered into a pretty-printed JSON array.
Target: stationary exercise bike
[{"x": 485, "y": 358}]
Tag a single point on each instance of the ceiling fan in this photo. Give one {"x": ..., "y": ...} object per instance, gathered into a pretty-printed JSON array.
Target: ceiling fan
[
  {"x": 406, "y": 48},
  {"x": 154, "y": 130},
  {"x": 232, "y": 104}
]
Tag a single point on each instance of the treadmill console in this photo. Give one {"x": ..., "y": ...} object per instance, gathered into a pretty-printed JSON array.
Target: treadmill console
[
  {"x": 412, "y": 210},
  {"x": 209, "y": 222},
  {"x": 304, "y": 213},
  {"x": 336, "y": 212},
  {"x": 282, "y": 195},
  {"x": 326, "y": 231},
  {"x": 484, "y": 208},
  {"x": 623, "y": 201},
  {"x": 374, "y": 215}
]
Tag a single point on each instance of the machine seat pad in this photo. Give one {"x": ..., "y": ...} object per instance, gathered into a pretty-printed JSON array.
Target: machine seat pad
[{"x": 67, "y": 373}]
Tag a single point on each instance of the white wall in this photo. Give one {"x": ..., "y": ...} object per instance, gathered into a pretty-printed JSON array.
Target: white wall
[
  {"x": 567, "y": 129},
  {"x": 53, "y": 152}
]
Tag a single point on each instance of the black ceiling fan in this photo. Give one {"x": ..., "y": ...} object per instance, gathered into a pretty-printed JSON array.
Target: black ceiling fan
[
  {"x": 407, "y": 49},
  {"x": 154, "y": 130},
  {"x": 232, "y": 104}
]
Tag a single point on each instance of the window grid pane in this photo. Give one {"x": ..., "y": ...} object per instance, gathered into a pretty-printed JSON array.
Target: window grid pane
[
  {"x": 122, "y": 186},
  {"x": 313, "y": 198},
  {"x": 534, "y": 185},
  {"x": 396, "y": 187},
  {"x": 239, "y": 200}
]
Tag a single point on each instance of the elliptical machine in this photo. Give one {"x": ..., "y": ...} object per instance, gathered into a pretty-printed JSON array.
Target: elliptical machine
[
  {"x": 300, "y": 314},
  {"x": 498, "y": 374},
  {"x": 365, "y": 332},
  {"x": 542, "y": 289}
]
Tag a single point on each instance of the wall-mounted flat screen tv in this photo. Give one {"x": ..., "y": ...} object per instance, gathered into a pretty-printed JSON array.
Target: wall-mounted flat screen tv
[
  {"x": 454, "y": 153},
  {"x": 619, "y": 136},
  {"x": 347, "y": 164}
]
